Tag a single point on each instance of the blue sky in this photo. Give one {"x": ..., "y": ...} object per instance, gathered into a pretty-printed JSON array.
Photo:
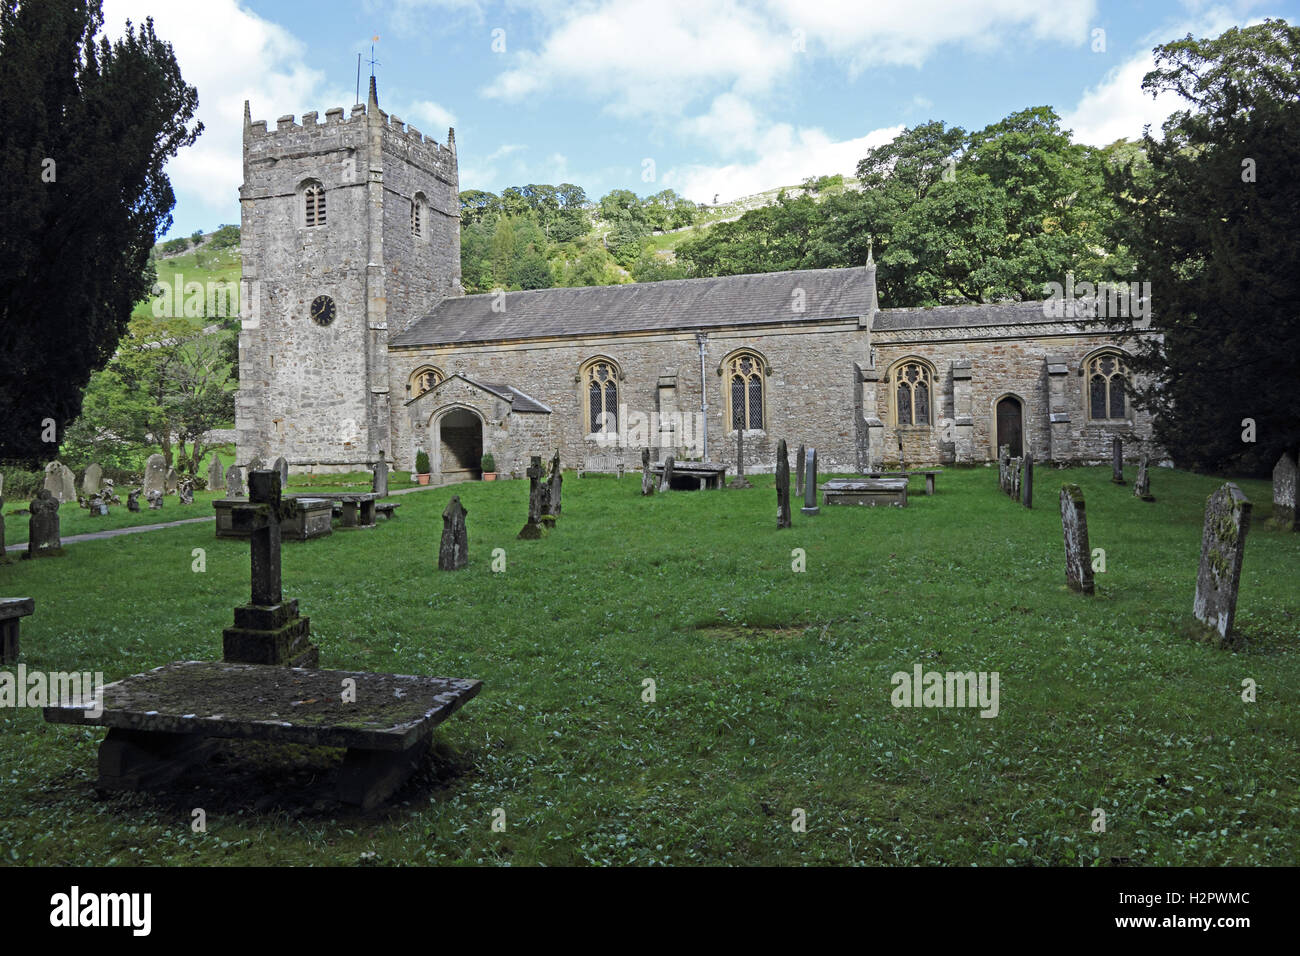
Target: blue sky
[{"x": 707, "y": 97}]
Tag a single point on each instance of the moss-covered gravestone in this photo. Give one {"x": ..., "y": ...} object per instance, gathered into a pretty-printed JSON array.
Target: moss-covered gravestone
[
  {"x": 1027, "y": 481},
  {"x": 453, "y": 551},
  {"x": 43, "y": 539},
  {"x": 666, "y": 479},
  {"x": 799, "y": 460},
  {"x": 1142, "y": 483},
  {"x": 215, "y": 475},
  {"x": 647, "y": 478},
  {"x": 267, "y": 629},
  {"x": 1223, "y": 543},
  {"x": 555, "y": 485},
  {"x": 810, "y": 483},
  {"x": 1286, "y": 493},
  {"x": 534, "y": 528},
  {"x": 1074, "y": 529},
  {"x": 782, "y": 486}
]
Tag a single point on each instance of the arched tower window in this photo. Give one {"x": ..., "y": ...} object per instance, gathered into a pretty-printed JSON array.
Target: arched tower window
[
  {"x": 744, "y": 374},
  {"x": 313, "y": 204},
  {"x": 599, "y": 379},
  {"x": 419, "y": 216},
  {"x": 1107, "y": 375},
  {"x": 913, "y": 391},
  {"x": 423, "y": 379}
]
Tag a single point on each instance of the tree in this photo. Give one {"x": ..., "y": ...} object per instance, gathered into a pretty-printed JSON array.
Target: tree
[
  {"x": 1212, "y": 226},
  {"x": 85, "y": 130}
]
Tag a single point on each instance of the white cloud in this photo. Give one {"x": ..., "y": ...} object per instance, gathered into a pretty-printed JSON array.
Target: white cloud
[
  {"x": 430, "y": 118},
  {"x": 231, "y": 55},
  {"x": 788, "y": 158}
]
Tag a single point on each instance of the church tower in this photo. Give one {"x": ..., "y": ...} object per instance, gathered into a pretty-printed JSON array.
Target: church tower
[{"x": 350, "y": 231}]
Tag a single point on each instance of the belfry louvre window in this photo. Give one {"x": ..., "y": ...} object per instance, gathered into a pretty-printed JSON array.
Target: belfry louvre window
[
  {"x": 1107, "y": 376},
  {"x": 913, "y": 391},
  {"x": 745, "y": 391},
  {"x": 601, "y": 380},
  {"x": 417, "y": 216},
  {"x": 313, "y": 205}
]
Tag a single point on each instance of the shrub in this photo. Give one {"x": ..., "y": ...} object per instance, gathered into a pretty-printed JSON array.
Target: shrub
[
  {"x": 489, "y": 463},
  {"x": 22, "y": 485},
  {"x": 422, "y": 462}
]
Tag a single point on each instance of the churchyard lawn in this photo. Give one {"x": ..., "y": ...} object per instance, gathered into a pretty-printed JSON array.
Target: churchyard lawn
[{"x": 772, "y": 687}]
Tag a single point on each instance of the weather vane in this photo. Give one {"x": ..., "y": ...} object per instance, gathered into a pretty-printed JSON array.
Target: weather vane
[{"x": 373, "y": 63}]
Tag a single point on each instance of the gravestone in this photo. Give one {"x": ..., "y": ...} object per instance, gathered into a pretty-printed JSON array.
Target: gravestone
[
  {"x": 97, "y": 507},
  {"x": 534, "y": 528},
  {"x": 155, "y": 474},
  {"x": 91, "y": 478},
  {"x": 109, "y": 492},
  {"x": 666, "y": 479},
  {"x": 1027, "y": 482},
  {"x": 186, "y": 490},
  {"x": 647, "y": 479},
  {"x": 453, "y": 552},
  {"x": 235, "y": 482},
  {"x": 171, "y": 482},
  {"x": 267, "y": 629},
  {"x": 282, "y": 467},
  {"x": 799, "y": 459},
  {"x": 740, "y": 481},
  {"x": 782, "y": 486},
  {"x": 1074, "y": 528},
  {"x": 1286, "y": 493},
  {"x": 1142, "y": 483},
  {"x": 215, "y": 476},
  {"x": 133, "y": 500},
  {"x": 60, "y": 483},
  {"x": 554, "y": 486},
  {"x": 1223, "y": 543},
  {"x": 1004, "y": 467},
  {"x": 1117, "y": 461},
  {"x": 257, "y": 464},
  {"x": 155, "y": 500},
  {"x": 1014, "y": 486},
  {"x": 379, "y": 483},
  {"x": 43, "y": 526},
  {"x": 810, "y": 484}
]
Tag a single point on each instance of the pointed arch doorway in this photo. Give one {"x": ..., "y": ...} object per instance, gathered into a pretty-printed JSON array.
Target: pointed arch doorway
[
  {"x": 459, "y": 445},
  {"x": 1009, "y": 415}
]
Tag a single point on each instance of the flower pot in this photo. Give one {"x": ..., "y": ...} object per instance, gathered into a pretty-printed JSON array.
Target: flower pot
[
  {"x": 422, "y": 479},
  {"x": 489, "y": 476}
]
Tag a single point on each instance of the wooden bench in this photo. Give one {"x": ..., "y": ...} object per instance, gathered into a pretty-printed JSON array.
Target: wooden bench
[
  {"x": 12, "y": 611},
  {"x": 387, "y": 508},
  {"x": 165, "y": 721}
]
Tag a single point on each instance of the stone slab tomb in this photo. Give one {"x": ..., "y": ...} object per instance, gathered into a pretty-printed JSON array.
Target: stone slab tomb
[
  {"x": 871, "y": 492},
  {"x": 691, "y": 474},
  {"x": 1074, "y": 529},
  {"x": 12, "y": 611},
  {"x": 1223, "y": 544}
]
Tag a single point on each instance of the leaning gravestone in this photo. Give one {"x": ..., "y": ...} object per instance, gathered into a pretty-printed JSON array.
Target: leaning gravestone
[
  {"x": 555, "y": 485},
  {"x": 1027, "y": 481},
  {"x": 534, "y": 528},
  {"x": 155, "y": 474},
  {"x": 740, "y": 481},
  {"x": 235, "y": 482},
  {"x": 1074, "y": 528},
  {"x": 647, "y": 479},
  {"x": 782, "y": 486},
  {"x": 453, "y": 552},
  {"x": 379, "y": 483},
  {"x": 43, "y": 526},
  {"x": 1117, "y": 461},
  {"x": 155, "y": 500},
  {"x": 1142, "y": 483},
  {"x": 666, "y": 479},
  {"x": 215, "y": 475},
  {"x": 171, "y": 482},
  {"x": 799, "y": 460},
  {"x": 1223, "y": 543},
  {"x": 282, "y": 467},
  {"x": 809, "y": 473},
  {"x": 91, "y": 478},
  {"x": 1286, "y": 493},
  {"x": 133, "y": 500}
]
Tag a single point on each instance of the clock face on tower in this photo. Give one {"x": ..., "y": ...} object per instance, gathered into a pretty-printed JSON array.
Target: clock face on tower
[{"x": 322, "y": 310}]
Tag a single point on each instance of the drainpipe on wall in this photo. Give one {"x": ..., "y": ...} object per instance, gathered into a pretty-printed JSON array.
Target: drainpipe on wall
[{"x": 702, "y": 340}]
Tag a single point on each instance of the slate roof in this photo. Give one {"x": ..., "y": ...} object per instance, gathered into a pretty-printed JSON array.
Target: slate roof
[
  {"x": 966, "y": 316},
  {"x": 757, "y": 299},
  {"x": 519, "y": 401}
]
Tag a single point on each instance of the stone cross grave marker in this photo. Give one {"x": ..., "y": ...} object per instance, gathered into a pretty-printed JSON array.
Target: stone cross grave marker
[
  {"x": 1223, "y": 543},
  {"x": 647, "y": 478},
  {"x": 379, "y": 484},
  {"x": 267, "y": 629},
  {"x": 43, "y": 526},
  {"x": 1027, "y": 481},
  {"x": 555, "y": 484},
  {"x": 1074, "y": 528},
  {"x": 534, "y": 529},
  {"x": 740, "y": 481},
  {"x": 810, "y": 484},
  {"x": 235, "y": 482},
  {"x": 799, "y": 460},
  {"x": 1286, "y": 493},
  {"x": 782, "y": 486},
  {"x": 666, "y": 479},
  {"x": 1142, "y": 483},
  {"x": 453, "y": 551},
  {"x": 1117, "y": 461},
  {"x": 91, "y": 478},
  {"x": 216, "y": 478},
  {"x": 155, "y": 474}
]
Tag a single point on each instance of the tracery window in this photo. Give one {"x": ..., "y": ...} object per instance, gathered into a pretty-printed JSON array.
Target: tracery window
[
  {"x": 423, "y": 379},
  {"x": 913, "y": 393},
  {"x": 1107, "y": 391},
  {"x": 745, "y": 372},
  {"x": 600, "y": 381}
]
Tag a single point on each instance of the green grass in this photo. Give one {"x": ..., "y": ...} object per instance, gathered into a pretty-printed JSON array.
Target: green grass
[{"x": 773, "y": 687}]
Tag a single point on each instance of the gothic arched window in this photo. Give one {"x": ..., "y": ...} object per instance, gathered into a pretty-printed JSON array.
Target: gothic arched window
[
  {"x": 913, "y": 392},
  {"x": 313, "y": 204},
  {"x": 423, "y": 379},
  {"x": 744, "y": 377},
  {"x": 1107, "y": 387},
  {"x": 418, "y": 216},
  {"x": 600, "y": 385}
]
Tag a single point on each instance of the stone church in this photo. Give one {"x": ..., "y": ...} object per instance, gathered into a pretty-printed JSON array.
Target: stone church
[{"x": 358, "y": 342}]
